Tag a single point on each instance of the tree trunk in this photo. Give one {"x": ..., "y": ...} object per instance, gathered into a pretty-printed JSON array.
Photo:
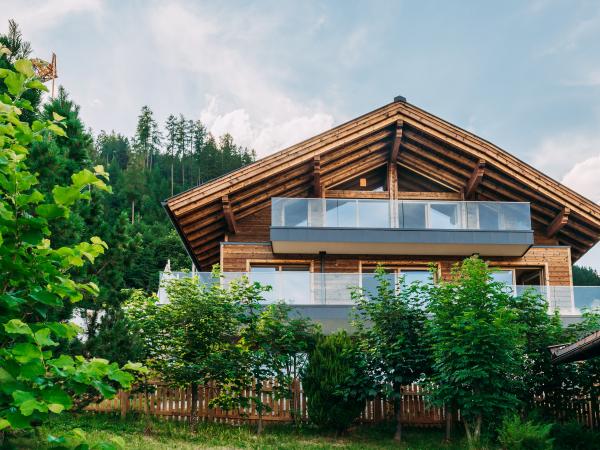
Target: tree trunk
[
  {"x": 194, "y": 408},
  {"x": 448, "y": 412},
  {"x": 398, "y": 413},
  {"x": 171, "y": 178},
  {"x": 259, "y": 429},
  {"x": 132, "y": 211}
]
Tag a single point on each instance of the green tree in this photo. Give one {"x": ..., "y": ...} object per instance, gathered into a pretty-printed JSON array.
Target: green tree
[
  {"x": 147, "y": 138},
  {"x": 391, "y": 333},
  {"x": 328, "y": 378},
  {"x": 275, "y": 345},
  {"x": 585, "y": 276},
  {"x": 35, "y": 276},
  {"x": 476, "y": 345}
]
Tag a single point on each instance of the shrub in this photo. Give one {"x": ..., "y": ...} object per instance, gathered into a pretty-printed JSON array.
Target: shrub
[
  {"x": 514, "y": 434},
  {"x": 574, "y": 436},
  {"x": 331, "y": 369}
]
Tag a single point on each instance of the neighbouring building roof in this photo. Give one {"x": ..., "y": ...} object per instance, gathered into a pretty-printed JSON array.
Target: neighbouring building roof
[
  {"x": 418, "y": 142},
  {"x": 586, "y": 348}
]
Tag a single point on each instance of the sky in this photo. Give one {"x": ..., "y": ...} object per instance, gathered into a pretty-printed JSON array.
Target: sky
[{"x": 523, "y": 75}]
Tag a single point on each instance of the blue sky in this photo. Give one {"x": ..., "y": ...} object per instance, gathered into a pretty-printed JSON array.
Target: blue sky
[{"x": 524, "y": 75}]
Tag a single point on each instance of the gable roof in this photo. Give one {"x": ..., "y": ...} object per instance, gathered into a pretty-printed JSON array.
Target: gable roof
[{"x": 428, "y": 146}]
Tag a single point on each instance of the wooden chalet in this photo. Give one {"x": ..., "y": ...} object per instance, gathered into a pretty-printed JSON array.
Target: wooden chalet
[{"x": 397, "y": 186}]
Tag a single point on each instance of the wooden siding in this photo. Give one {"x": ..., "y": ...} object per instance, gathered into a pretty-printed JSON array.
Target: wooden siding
[{"x": 554, "y": 261}]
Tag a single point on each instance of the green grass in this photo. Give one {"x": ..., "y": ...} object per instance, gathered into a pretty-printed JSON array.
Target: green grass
[{"x": 165, "y": 435}]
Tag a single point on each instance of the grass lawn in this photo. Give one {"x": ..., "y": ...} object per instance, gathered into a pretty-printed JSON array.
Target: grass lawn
[{"x": 163, "y": 435}]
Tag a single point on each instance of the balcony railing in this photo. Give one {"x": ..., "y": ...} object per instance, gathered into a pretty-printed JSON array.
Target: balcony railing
[
  {"x": 400, "y": 214},
  {"x": 334, "y": 289}
]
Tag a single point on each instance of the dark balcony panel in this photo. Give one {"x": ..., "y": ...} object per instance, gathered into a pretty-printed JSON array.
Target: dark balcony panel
[{"x": 345, "y": 241}]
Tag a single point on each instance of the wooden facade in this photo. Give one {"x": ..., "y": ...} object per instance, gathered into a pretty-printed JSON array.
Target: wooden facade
[{"x": 397, "y": 152}]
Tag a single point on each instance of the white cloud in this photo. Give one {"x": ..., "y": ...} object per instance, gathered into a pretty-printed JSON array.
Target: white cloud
[
  {"x": 584, "y": 178},
  {"x": 246, "y": 97},
  {"x": 587, "y": 79},
  {"x": 38, "y": 16},
  {"x": 557, "y": 154}
]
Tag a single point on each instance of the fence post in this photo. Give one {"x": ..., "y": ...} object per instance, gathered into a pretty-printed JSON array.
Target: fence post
[{"x": 124, "y": 398}]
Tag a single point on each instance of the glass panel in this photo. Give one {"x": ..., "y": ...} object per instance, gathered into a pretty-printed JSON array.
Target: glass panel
[
  {"x": 443, "y": 216},
  {"x": 411, "y": 276},
  {"x": 345, "y": 213},
  {"x": 374, "y": 214},
  {"x": 413, "y": 215},
  {"x": 295, "y": 285},
  {"x": 295, "y": 213},
  {"x": 370, "y": 282},
  {"x": 515, "y": 216},
  {"x": 503, "y": 276},
  {"x": 277, "y": 205},
  {"x": 315, "y": 213},
  {"x": 488, "y": 216},
  {"x": 267, "y": 276}
]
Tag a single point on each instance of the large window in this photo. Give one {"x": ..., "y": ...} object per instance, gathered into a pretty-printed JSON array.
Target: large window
[
  {"x": 394, "y": 275},
  {"x": 290, "y": 283},
  {"x": 505, "y": 276}
]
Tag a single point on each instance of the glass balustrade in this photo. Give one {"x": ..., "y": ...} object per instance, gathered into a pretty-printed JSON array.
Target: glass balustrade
[
  {"x": 401, "y": 214},
  {"x": 330, "y": 289}
]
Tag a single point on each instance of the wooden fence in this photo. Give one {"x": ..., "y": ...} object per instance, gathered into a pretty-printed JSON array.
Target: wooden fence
[{"x": 176, "y": 404}]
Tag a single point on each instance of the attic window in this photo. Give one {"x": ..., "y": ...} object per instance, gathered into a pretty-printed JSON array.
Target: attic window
[{"x": 363, "y": 182}]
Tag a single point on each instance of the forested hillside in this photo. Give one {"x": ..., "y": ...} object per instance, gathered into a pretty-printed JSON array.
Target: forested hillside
[{"x": 146, "y": 168}]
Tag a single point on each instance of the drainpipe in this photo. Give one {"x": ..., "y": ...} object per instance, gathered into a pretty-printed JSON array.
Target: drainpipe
[{"x": 322, "y": 270}]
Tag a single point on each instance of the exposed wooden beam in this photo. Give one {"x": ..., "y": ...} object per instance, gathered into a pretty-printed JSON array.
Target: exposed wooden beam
[
  {"x": 228, "y": 213},
  {"x": 475, "y": 179},
  {"x": 317, "y": 186},
  {"x": 559, "y": 222},
  {"x": 397, "y": 141}
]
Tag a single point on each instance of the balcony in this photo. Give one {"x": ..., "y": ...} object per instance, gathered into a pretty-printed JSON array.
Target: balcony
[
  {"x": 326, "y": 297},
  {"x": 402, "y": 227}
]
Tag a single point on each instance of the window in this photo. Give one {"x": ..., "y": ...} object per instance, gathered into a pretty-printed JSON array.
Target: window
[
  {"x": 503, "y": 276},
  {"x": 290, "y": 283},
  {"x": 394, "y": 275}
]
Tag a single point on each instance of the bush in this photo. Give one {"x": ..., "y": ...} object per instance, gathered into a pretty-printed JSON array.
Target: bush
[
  {"x": 573, "y": 436},
  {"x": 330, "y": 370},
  {"x": 514, "y": 434}
]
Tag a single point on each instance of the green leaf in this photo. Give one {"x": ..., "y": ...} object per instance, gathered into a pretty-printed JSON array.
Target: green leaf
[
  {"x": 123, "y": 378},
  {"x": 56, "y": 130},
  {"x": 65, "y": 196},
  {"x": 4, "y": 424},
  {"x": 15, "y": 326},
  {"x": 42, "y": 337},
  {"x": 63, "y": 330},
  {"x": 47, "y": 298},
  {"x": 83, "y": 178},
  {"x": 24, "y": 353},
  {"x": 57, "y": 117},
  {"x": 62, "y": 362},
  {"x": 51, "y": 211},
  {"x": 55, "y": 395},
  {"x": 32, "y": 370},
  {"x": 14, "y": 83},
  {"x": 56, "y": 408},
  {"x": 36, "y": 84},
  {"x": 25, "y": 67}
]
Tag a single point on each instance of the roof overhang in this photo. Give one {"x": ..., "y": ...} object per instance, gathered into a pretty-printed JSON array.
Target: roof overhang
[{"x": 586, "y": 348}]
